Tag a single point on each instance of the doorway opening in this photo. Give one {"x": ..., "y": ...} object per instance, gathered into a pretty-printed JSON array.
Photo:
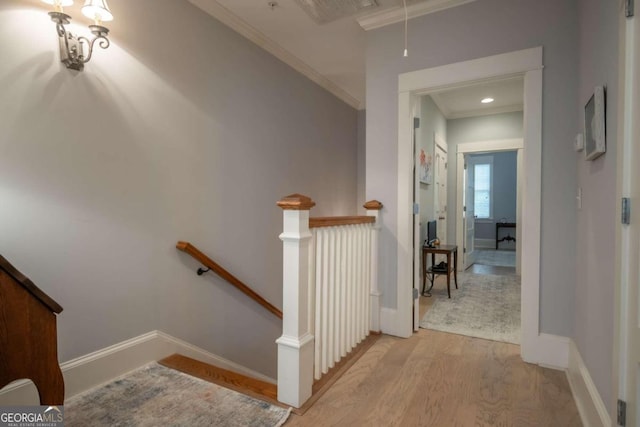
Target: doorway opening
[
  {"x": 462, "y": 206},
  {"x": 528, "y": 64}
]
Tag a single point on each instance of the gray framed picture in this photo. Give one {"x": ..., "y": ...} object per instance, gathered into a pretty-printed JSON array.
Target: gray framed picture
[{"x": 594, "y": 125}]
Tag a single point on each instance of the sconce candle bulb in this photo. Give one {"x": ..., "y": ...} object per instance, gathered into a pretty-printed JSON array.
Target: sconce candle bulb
[
  {"x": 58, "y": 4},
  {"x": 72, "y": 47}
]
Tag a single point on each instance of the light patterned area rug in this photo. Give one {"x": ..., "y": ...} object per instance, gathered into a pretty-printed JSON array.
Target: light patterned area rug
[
  {"x": 496, "y": 258},
  {"x": 159, "y": 396},
  {"x": 484, "y": 306}
]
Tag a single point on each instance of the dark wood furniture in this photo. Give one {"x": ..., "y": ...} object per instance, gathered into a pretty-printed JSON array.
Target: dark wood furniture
[
  {"x": 508, "y": 237},
  {"x": 28, "y": 336},
  {"x": 433, "y": 271}
]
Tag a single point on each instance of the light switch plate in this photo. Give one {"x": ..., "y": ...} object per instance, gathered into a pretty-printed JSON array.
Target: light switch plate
[
  {"x": 578, "y": 144},
  {"x": 579, "y": 198}
]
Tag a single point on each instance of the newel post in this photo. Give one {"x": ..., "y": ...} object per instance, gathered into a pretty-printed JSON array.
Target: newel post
[
  {"x": 373, "y": 208},
  {"x": 295, "y": 346}
]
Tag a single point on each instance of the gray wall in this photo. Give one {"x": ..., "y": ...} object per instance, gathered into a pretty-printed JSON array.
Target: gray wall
[
  {"x": 431, "y": 122},
  {"x": 362, "y": 161},
  {"x": 505, "y": 174},
  {"x": 476, "y": 129},
  {"x": 596, "y": 222},
  {"x": 475, "y": 30},
  {"x": 189, "y": 133}
]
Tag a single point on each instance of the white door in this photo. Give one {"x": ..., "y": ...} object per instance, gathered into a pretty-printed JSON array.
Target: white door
[
  {"x": 630, "y": 234},
  {"x": 469, "y": 218},
  {"x": 440, "y": 182},
  {"x": 417, "y": 246}
]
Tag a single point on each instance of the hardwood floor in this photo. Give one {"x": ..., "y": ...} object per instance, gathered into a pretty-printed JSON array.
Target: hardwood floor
[{"x": 439, "y": 379}]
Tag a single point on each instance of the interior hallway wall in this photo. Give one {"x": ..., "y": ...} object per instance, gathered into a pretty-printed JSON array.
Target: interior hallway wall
[
  {"x": 596, "y": 221},
  {"x": 191, "y": 133},
  {"x": 475, "y": 30}
]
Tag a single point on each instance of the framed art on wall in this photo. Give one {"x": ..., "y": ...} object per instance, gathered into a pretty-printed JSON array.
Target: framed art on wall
[
  {"x": 594, "y": 125},
  {"x": 426, "y": 167}
]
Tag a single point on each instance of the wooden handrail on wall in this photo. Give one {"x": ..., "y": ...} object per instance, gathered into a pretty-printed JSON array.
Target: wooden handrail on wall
[
  {"x": 216, "y": 268},
  {"x": 332, "y": 221}
]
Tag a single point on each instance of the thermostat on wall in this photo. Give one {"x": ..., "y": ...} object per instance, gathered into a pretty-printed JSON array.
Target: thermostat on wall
[{"x": 578, "y": 144}]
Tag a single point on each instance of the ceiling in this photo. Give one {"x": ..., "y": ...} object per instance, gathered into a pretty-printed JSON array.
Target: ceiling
[
  {"x": 460, "y": 102},
  {"x": 328, "y": 46}
]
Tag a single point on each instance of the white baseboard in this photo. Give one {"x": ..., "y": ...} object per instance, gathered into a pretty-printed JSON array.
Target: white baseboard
[
  {"x": 484, "y": 243},
  {"x": 104, "y": 365},
  {"x": 552, "y": 351},
  {"x": 389, "y": 322},
  {"x": 592, "y": 409}
]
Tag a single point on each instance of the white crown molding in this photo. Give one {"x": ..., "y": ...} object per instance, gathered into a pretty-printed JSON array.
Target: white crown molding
[
  {"x": 396, "y": 14},
  {"x": 442, "y": 106},
  {"x": 232, "y": 21},
  {"x": 485, "y": 111}
]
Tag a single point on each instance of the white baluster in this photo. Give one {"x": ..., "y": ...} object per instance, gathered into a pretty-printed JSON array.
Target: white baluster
[
  {"x": 326, "y": 250},
  {"x": 317, "y": 360}
]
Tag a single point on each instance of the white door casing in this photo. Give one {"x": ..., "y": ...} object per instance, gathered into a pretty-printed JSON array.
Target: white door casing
[
  {"x": 526, "y": 62},
  {"x": 468, "y": 213},
  {"x": 627, "y": 342},
  {"x": 440, "y": 190},
  {"x": 417, "y": 253}
]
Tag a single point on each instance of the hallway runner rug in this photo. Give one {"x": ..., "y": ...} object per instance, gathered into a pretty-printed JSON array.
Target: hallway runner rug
[
  {"x": 159, "y": 396},
  {"x": 496, "y": 258},
  {"x": 485, "y": 306}
]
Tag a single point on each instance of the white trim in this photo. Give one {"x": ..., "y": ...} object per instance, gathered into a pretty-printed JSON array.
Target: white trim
[
  {"x": 232, "y": 21},
  {"x": 99, "y": 367},
  {"x": 388, "y": 321},
  {"x": 491, "y": 146},
  {"x": 485, "y": 111},
  {"x": 552, "y": 351},
  {"x": 526, "y": 62},
  {"x": 476, "y": 70},
  {"x": 624, "y": 376},
  {"x": 591, "y": 407},
  {"x": 396, "y": 14}
]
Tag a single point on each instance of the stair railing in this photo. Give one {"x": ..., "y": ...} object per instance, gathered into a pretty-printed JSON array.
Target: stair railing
[
  {"x": 331, "y": 300},
  {"x": 230, "y": 278}
]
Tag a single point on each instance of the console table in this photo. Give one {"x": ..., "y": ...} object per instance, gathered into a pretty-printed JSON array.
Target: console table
[
  {"x": 508, "y": 237},
  {"x": 434, "y": 271}
]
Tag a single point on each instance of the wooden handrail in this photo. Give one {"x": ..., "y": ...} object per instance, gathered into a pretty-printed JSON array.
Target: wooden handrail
[
  {"x": 332, "y": 221},
  {"x": 216, "y": 268}
]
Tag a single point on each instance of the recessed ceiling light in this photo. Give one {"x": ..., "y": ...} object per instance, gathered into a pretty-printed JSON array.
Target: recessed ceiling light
[{"x": 487, "y": 100}]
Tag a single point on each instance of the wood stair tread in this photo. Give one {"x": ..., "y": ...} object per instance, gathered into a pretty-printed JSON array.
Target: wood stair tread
[
  {"x": 241, "y": 383},
  {"x": 261, "y": 389}
]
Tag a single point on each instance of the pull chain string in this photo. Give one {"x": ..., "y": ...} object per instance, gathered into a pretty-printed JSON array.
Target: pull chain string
[{"x": 406, "y": 19}]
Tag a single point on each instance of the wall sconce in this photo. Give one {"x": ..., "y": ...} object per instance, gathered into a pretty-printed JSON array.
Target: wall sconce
[{"x": 71, "y": 47}]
